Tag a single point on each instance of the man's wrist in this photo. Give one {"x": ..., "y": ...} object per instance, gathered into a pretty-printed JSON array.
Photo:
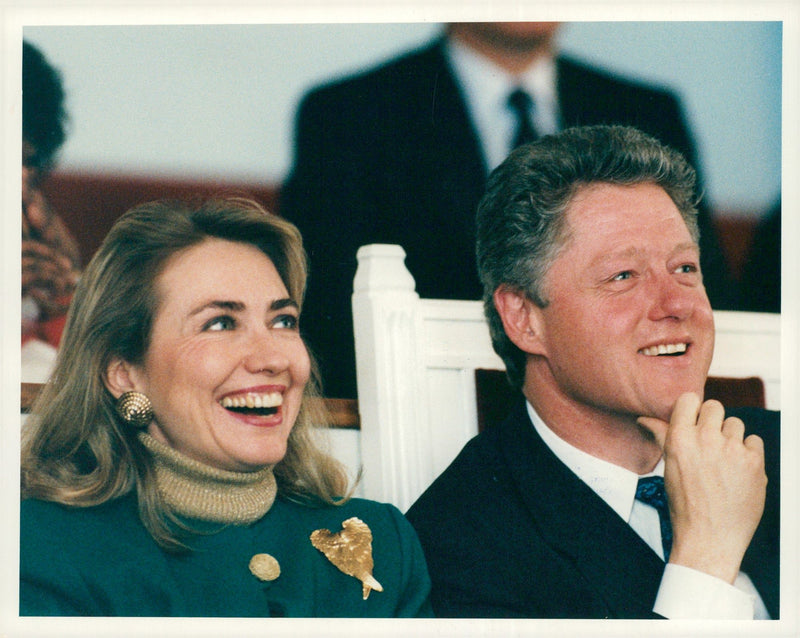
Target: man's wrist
[{"x": 687, "y": 593}]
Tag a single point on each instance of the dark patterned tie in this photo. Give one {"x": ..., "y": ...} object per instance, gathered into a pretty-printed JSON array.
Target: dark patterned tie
[
  {"x": 650, "y": 490},
  {"x": 522, "y": 105}
]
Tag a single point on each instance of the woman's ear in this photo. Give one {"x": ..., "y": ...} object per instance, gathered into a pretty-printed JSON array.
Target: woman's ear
[
  {"x": 522, "y": 319},
  {"x": 120, "y": 377}
]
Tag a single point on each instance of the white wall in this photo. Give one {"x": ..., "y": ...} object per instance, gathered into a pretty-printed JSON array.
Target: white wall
[{"x": 218, "y": 100}]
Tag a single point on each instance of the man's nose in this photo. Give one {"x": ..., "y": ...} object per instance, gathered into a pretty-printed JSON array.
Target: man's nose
[{"x": 671, "y": 299}]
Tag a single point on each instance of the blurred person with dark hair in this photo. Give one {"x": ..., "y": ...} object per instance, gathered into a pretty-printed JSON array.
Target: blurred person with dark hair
[{"x": 50, "y": 257}]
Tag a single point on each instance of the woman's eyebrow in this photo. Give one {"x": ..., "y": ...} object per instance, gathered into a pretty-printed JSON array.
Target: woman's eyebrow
[
  {"x": 231, "y": 306},
  {"x": 238, "y": 306},
  {"x": 279, "y": 304}
]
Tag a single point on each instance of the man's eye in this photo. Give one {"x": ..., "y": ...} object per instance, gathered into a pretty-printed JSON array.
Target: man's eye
[
  {"x": 220, "y": 323},
  {"x": 626, "y": 274},
  {"x": 686, "y": 268},
  {"x": 285, "y": 322}
]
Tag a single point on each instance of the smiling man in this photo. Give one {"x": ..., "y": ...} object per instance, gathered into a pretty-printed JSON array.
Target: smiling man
[{"x": 588, "y": 255}]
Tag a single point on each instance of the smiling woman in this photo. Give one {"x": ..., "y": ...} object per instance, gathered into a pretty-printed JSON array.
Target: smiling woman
[
  {"x": 225, "y": 341},
  {"x": 176, "y": 441}
]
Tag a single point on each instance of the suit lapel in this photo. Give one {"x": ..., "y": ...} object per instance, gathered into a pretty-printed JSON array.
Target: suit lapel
[
  {"x": 570, "y": 101},
  {"x": 578, "y": 524},
  {"x": 448, "y": 155},
  {"x": 454, "y": 136}
]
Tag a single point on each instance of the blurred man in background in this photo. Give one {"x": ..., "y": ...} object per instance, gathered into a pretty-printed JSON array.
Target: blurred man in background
[{"x": 400, "y": 154}]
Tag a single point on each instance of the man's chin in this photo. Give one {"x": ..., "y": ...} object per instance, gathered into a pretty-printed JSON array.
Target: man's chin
[
  {"x": 662, "y": 413},
  {"x": 663, "y": 409}
]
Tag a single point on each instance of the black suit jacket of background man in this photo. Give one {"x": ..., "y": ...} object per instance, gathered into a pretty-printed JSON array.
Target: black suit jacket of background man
[
  {"x": 390, "y": 156},
  {"x": 509, "y": 531}
]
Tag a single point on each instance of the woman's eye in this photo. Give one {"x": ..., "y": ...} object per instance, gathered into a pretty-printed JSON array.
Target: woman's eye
[
  {"x": 286, "y": 322},
  {"x": 220, "y": 323}
]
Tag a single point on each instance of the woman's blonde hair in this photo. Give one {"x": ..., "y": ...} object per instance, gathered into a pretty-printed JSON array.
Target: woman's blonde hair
[{"x": 76, "y": 450}]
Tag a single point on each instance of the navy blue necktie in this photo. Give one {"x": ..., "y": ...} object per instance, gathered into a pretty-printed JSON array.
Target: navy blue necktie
[
  {"x": 650, "y": 490},
  {"x": 521, "y": 104}
]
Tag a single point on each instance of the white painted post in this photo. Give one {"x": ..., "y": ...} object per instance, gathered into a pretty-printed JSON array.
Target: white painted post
[{"x": 389, "y": 375}]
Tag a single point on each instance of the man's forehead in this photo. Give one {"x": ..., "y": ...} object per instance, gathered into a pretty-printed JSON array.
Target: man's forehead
[
  {"x": 613, "y": 218},
  {"x": 601, "y": 202}
]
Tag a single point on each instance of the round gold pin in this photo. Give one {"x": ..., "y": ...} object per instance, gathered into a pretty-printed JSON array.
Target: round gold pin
[{"x": 265, "y": 567}]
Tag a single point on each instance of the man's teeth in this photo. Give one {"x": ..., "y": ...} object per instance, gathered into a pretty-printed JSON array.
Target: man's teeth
[
  {"x": 268, "y": 400},
  {"x": 664, "y": 348}
]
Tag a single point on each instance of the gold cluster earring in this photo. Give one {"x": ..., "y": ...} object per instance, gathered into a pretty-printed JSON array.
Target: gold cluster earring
[{"x": 135, "y": 409}]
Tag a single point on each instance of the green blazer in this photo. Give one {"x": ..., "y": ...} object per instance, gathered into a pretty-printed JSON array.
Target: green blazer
[{"x": 101, "y": 561}]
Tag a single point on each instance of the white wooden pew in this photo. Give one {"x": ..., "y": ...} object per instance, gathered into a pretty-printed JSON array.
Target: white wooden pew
[{"x": 415, "y": 361}]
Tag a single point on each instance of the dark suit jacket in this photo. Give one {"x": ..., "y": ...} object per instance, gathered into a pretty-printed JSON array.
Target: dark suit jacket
[
  {"x": 509, "y": 530},
  {"x": 390, "y": 156}
]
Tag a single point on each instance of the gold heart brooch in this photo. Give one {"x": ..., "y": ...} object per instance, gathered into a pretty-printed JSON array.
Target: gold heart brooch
[{"x": 350, "y": 550}]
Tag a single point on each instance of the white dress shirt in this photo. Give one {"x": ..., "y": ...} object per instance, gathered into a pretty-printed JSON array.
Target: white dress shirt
[
  {"x": 684, "y": 592},
  {"x": 486, "y": 88}
]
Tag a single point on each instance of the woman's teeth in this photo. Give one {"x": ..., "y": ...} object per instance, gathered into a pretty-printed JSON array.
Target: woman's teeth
[{"x": 252, "y": 401}]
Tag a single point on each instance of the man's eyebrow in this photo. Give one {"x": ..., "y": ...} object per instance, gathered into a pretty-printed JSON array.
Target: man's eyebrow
[
  {"x": 633, "y": 251},
  {"x": 689, "y": 245},
  {"x": 617, "y": 254}
]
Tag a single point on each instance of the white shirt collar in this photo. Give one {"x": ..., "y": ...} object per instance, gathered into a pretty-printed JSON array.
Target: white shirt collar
[
  {"x": 614, "y": 484},
  {"x": 486, "y": 87}
]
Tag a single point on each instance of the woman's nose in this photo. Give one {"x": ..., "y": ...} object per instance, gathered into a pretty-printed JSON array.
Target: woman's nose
[{"x": 265, "y": 354}]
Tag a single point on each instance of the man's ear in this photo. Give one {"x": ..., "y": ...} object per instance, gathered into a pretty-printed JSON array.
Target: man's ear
[
  {"x": 120, "y": 377},
  {"x": 522, "y": 319}
]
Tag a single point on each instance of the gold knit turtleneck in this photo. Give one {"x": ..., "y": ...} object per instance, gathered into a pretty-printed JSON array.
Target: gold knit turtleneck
[{"x": 199, "y": 491}]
